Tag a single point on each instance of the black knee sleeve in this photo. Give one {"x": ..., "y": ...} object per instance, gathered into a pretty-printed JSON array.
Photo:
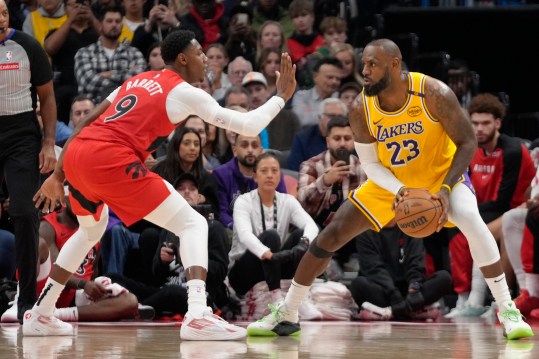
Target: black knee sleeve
[{"x": 317, "y": 251}]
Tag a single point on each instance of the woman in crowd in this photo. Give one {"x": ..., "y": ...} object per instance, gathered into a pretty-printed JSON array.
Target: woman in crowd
[
  {"x": 262, "y": 248},
  {"x": 184, "y": 154}
]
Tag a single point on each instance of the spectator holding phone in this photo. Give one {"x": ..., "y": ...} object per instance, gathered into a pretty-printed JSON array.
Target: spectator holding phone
[{"x": 325, "y": 179}]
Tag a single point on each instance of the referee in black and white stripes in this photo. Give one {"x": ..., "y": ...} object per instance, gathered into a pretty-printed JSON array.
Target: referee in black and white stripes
[{"x": 24, "y": 152}]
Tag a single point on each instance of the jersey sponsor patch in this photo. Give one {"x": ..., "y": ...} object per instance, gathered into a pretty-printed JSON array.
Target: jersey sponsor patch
[{"x": 10, "y": 67}]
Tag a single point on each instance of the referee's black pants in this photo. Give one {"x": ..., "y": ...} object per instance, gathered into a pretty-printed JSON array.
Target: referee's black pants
[{"x": 20, "y": 144}]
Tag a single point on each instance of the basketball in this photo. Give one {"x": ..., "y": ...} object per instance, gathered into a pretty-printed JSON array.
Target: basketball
[{"x": 418, "y": 214}]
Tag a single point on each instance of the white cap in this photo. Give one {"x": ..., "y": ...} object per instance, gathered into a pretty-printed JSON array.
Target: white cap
[{"x": 254, "y": 77}]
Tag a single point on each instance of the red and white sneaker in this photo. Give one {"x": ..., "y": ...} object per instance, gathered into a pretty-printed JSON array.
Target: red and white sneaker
[
  {"x": 38, "y": 325},
  {"x": 209, "y": 327}
]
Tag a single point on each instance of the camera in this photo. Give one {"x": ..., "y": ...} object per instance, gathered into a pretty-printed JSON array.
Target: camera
[{"x": 342, "y": 154}]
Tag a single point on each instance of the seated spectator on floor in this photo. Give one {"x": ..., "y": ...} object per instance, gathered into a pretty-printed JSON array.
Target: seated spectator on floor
[
  {"x": 500, "y": 172},
  {"x": 83, "y": 299},
  {"x": 104, "y": 65},
  {"x": 236, "y": 176},
  {"x": 280, "y": 132},
  {"x": 7, "y": 248},
  {"x": 311, "y": 141},
  {"x": 184, "y": 155},
  {"x": 167, "y": 292},
  {"x": 520, "y": 231},
  {"x": 263, "y": 249},
  {"x": 392, "y": 283},
  {"x": 326, "y": 179}
]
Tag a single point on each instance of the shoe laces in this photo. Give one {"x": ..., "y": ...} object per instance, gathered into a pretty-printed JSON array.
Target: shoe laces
[
  {"x": 512, "y": 315},
  {"x": 276, "y": 313}
]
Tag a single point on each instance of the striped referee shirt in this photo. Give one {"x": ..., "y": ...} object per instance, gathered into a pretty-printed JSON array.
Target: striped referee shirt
[{"x": 23, "y": 66}]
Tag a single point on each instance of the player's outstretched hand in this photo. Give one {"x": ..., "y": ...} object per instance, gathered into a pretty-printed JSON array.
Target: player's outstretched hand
[
  {"x": 50, "y": 194},
  {"x": 286, "y": 78}
]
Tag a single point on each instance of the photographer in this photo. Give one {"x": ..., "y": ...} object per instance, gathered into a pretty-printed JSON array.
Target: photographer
[
  {"x": 168, "y": 293},
  {"x": 325, "y": 179}
]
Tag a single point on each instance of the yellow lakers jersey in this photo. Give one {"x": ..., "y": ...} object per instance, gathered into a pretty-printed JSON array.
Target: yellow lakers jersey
[
  {"x": 42, "y": 25},
  {"x": 412, "y": 144}
]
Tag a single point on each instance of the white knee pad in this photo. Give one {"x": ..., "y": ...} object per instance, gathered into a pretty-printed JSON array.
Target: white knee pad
[
  {"x": 77, "y": 247},
  {"x": 463, "y": 212}
]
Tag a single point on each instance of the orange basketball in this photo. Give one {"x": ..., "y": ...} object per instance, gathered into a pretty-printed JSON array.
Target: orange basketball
[{"x": 418, "y": 214}]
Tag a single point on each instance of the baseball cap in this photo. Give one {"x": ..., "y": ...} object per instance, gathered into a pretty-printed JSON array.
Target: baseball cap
[
  {"x": 254, "y": 77},
  {"x": 185, "y": 176},
  {"x": 350, "y": 85}
]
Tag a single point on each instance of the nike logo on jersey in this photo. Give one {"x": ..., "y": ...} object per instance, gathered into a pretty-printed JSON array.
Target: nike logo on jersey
[{"x": 377, "y": 122}]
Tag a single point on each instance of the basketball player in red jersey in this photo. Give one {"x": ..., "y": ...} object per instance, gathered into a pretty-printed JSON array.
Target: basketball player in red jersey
[{"x": 103, "y": 162}]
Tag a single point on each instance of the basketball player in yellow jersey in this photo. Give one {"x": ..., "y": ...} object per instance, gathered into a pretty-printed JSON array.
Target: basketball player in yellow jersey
[{"x": 410, "y": 131}]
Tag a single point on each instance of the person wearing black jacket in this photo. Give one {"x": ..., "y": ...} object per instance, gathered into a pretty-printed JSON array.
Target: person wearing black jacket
[
  {"x": 392, "y": 281},
  {"x": 167, "y": 293}
]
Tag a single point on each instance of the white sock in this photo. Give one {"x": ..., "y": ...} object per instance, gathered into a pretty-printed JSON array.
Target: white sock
[
  {"x": 532, "y": 284},
  {"x": 49, "y": 295},
  {"x": 70, "y": 314},
  {"x": 276, "y": 296},
  {"x": 479, "y": 288},
  {"x": 196, "y": 297},
  {"x": 294, "y": 297},
  {"x": 499, "y": 289}
]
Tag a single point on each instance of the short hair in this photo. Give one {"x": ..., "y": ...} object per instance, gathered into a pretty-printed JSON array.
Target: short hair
[
  {"x": 331, "y": 101},
  {"x": 337, "y": 121},
  {"x": 298, "y": 7},
  {"x": 218, "y": 46},
  {"x": 82, "y": 97},
  {"x": 176, "y": 42},
  {"x": 264, "y": 155},
  {"x": 237, "y": 89},
  {"x": 111, "y": 8},
  {"x": 333, "y": 22},
  {"x": 487, "y": 103},
  {"x": 327, "y": 61}
]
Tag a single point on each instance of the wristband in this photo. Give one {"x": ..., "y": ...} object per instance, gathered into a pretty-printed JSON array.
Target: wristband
[{"x": 446, "y": 186}]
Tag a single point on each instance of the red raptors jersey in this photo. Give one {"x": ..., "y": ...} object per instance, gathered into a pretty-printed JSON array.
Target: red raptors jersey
[
  {"x": 501, "y": 178},
  {"x": 63, "y": 233},
  {"x": 137, "y": 117}
]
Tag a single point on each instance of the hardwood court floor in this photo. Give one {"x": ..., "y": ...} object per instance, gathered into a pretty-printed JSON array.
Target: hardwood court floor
[{"x": 475, "y": 339}]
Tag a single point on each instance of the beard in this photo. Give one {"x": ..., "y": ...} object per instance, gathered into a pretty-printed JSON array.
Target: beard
[
  {"x": 488, "y": 138},
  {"x": 247, "y": 161},
  {"x": 375, "y": 89},
  {"x": 112, "y": 35}
]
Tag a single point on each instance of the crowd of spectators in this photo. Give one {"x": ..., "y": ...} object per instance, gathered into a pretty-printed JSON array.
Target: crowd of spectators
[{"x": 265, "y": 197}]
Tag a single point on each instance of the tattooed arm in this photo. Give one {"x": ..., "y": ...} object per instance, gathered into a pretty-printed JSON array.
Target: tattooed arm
[{"x": 444, "y": 106}]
